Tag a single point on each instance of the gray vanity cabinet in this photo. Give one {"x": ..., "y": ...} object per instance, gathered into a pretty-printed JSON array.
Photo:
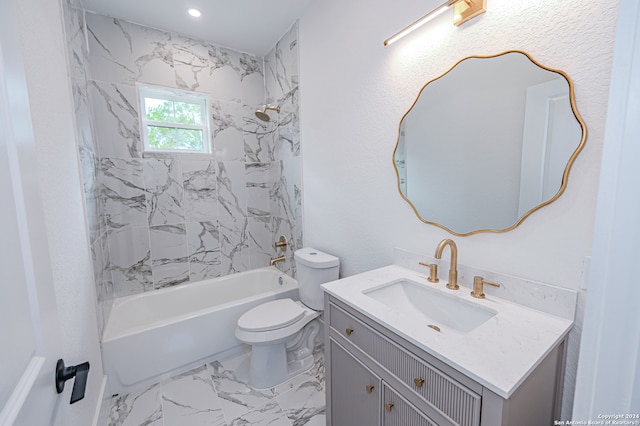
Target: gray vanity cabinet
[
  {"x": 412, "y": 388},
  {"x": 356, "y": 395},
  {"x": 356, "y": 398}
]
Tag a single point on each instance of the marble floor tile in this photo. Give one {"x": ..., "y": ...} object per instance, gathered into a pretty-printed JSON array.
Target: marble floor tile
[
  {"x": 143, "y": 408},
  {"x": 217, "y": 394},
  {"x": 317, "y": 369},
  {"x": 190, "y": 400},
  {"x": 236, "y": 396},
  {"x": 268, "y": 415},
  {"x": 293, "y": 383},
  {"x": 304, "y": 405}
]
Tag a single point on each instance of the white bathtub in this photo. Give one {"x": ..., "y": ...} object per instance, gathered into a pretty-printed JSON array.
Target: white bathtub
[{"x": 154, "y": 335}]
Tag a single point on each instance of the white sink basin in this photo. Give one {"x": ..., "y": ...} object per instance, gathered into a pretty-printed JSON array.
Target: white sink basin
[{"x": 431, "y": 306}]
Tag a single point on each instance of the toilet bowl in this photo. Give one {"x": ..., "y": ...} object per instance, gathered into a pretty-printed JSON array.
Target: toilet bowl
[{"x": 282, "y": 333}]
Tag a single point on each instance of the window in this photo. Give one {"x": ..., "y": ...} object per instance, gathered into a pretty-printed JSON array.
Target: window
[{"x": 174, "y": 120}]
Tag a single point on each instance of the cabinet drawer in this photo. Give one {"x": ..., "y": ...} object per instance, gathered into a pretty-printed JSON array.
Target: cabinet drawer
[
  {"x": 399, "y": 412},
  {"x": 444, "y": 394}
]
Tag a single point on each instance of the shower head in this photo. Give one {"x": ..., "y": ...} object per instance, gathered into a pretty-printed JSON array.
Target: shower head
[{"x": 262, "y": 113}]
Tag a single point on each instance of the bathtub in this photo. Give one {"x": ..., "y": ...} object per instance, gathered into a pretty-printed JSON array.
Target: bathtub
[{"x": 154, "y": 335}]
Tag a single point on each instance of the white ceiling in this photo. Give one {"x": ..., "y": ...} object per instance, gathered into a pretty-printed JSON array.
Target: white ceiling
[{"x": 251, "y": 26}]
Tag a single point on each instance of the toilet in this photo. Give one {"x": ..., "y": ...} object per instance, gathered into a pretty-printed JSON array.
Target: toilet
[{"x": 282, "y": 332}]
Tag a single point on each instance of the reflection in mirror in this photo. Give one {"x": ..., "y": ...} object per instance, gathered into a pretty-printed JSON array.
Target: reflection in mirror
[{"x": 488, "y": 143}]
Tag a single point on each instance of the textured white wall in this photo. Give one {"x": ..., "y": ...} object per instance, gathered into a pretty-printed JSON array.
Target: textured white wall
[
  {"x": 354, "y": 92},
  {"x": 52, "y": 111}
]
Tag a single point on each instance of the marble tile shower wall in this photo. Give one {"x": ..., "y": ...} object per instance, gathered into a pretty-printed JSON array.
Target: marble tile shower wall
[
  {"x": 88, "y": 155},
  {"x": 178, "y": 218},
  {"x": 158, "y": 220},
  {"x": 281, "y": 85}
]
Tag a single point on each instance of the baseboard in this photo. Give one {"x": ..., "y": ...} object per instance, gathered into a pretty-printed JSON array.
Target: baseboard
[{"x": 104, "y": 404}]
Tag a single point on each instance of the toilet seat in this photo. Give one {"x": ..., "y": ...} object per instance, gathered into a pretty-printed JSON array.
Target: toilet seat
[
  {"x": 255, "y": 328},
  {"x": 271, "y": 315}
]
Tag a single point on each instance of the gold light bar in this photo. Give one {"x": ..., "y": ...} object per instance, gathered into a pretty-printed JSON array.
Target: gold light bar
[{"x": 464, "y": 10}]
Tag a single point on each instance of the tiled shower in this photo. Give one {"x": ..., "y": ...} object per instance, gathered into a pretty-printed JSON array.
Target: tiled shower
[{"x": 158, "y": 220}]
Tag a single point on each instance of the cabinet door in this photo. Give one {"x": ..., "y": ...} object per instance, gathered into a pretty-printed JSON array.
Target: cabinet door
[
  {"x": 399, "y": 412},
  {"x": 355, "y": 390}
]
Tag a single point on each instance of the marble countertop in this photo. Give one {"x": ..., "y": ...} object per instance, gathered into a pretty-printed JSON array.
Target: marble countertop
[{"x": 499, "y": 354}]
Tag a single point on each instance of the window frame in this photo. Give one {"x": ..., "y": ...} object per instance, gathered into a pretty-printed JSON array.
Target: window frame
[{"x": 174, "y": 95}]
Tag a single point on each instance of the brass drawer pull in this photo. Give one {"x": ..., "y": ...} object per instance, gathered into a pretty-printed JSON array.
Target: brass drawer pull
[
  {"x": 418, "y": 382},
  {"x": 349, "y": 331},
  {"x": 369, "y": 388},
  {"x": 388, "y": 407}
]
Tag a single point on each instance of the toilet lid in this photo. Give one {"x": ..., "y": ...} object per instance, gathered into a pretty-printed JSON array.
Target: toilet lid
[{"x": 271, "y": 315}]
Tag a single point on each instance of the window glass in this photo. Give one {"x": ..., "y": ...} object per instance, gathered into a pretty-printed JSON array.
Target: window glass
[{"x": 174, "y": 120}]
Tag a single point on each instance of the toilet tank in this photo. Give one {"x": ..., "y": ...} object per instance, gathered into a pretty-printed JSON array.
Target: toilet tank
[{"x": 314, "y": 268}]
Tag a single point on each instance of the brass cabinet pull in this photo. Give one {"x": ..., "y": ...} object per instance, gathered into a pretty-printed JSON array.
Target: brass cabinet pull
[
  {"x": 369, "y": 388},
  {"x": 349, "y": 331},
  {"x": 388, "y": 406},
  {"x": 418, "y": 382}
]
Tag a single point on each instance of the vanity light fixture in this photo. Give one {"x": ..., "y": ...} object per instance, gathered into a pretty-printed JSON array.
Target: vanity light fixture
[
  {"x": 463, "y": 10},
  {"x": 194, "y": 13}
]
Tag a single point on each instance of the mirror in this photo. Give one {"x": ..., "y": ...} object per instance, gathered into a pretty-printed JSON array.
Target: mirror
[{"x": 487, "y": 143}]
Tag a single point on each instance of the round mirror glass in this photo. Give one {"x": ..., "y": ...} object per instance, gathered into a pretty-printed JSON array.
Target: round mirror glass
[{"x": 487, "y": 143}]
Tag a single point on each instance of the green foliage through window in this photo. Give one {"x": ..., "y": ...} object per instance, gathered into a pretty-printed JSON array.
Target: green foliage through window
[
  {"x": 174, "y": 122},
  {"x": 171, "y": 138}
]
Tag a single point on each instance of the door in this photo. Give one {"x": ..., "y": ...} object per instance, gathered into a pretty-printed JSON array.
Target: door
[
  {"x": 355, "y": 390},
  {"x": 548, "y": 142},
  {"x": 29, "y": 332}
]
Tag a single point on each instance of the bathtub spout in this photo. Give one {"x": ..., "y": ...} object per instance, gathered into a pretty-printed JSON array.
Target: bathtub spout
[{"x": 276, "y": 260}]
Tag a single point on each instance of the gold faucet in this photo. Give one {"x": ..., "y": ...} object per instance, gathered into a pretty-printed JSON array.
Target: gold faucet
[
  {"x": 477, "y": 287},
  {"x": 433, "y": 271},
  {"x": 276, "y": 260},
  {"x": 453, "y": 267}
]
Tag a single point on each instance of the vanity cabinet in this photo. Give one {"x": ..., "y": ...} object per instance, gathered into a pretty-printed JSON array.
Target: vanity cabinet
[
  {"x": 356, "y": 392},
  {"x": 358, "y": 395},
  {"x": 376, "y": 378}
]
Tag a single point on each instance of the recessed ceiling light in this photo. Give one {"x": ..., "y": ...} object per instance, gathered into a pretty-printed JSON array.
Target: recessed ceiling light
[{"x": 194, "y": 12}]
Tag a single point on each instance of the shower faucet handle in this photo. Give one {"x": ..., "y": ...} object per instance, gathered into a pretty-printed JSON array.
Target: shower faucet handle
[{"x": 282, "y": 243}]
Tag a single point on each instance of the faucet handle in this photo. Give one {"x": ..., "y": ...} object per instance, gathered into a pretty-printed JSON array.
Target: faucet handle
[
  {"x": 477, "y": 287},
  {"x": 433, "y": 271},
  {"x": 282, "y": 242}
]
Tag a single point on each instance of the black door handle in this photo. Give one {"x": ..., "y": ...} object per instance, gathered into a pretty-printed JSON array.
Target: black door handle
[{"x": 80, "y": 372}]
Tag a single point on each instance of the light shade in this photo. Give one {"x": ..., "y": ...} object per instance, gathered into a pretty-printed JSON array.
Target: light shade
[
  {"x": 194, "y": 12},
  {"x": 464, "y": 10},
  {"x": 417, "y": 24}
]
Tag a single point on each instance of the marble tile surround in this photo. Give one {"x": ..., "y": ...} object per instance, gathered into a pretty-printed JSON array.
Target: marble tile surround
[
  {"x": 78, "y": 55},
  {"x": 217, "y": 394},
  {"x": 158, "y": 219}
]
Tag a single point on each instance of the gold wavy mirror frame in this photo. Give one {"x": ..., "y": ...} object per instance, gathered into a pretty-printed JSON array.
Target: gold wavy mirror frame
[{"x": 488, "y": 143}]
